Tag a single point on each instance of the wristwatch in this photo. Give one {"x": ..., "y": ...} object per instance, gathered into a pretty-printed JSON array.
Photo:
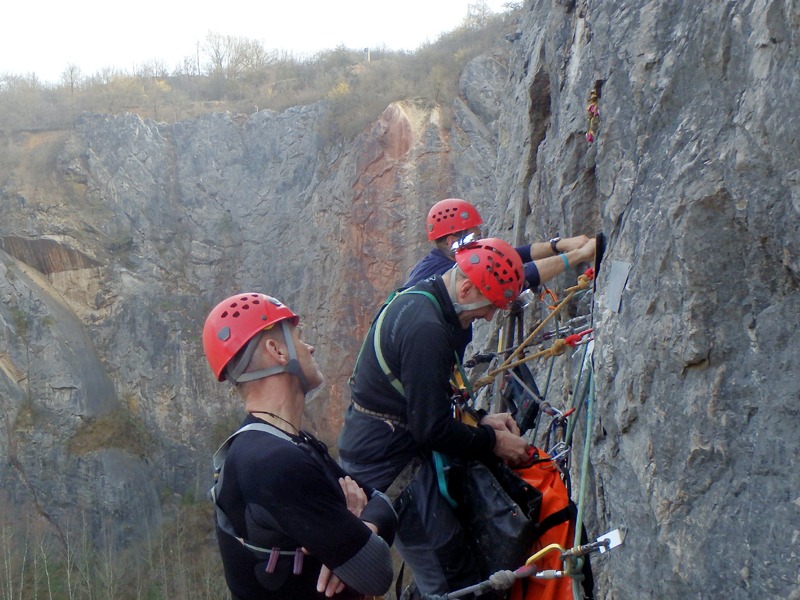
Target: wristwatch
[{"x": 554, "y": 245}]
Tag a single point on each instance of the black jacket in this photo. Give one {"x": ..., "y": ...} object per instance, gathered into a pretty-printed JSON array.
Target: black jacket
[
  {"x": 418, "y": 342},
  {"x": 286, "y": 494}
]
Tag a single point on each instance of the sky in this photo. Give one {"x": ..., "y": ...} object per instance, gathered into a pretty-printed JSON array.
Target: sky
[{"x": 43, "y": 38}]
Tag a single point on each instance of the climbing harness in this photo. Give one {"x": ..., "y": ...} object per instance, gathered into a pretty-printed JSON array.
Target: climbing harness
[
  {"x": 406, "y": 476},
  {"x": 393, "y": 421},
  {"x": 307, "y": 443},
  {"x": 224, "y": 522}
]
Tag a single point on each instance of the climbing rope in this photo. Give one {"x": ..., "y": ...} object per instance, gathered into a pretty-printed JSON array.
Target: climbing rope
[
  {"x": 584, "y": 472},
  {"x": 584, "y": 280},
  {"x": 587, "y": 364},
  {"x": 497, "y": 582}
]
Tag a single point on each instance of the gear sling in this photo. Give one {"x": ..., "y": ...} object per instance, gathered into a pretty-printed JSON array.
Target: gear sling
[
  {"x": 409, "y": 471},
  {"x": 224, "y": 522}
]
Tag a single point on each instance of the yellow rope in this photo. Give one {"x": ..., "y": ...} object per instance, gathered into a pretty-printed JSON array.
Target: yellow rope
[
  {"x": 558, "y": 348},
  {"x": 583, "y": 283}
]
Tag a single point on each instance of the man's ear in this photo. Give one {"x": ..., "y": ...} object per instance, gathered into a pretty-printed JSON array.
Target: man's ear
[
  {"x": 275, "y": 350},
  {"x": 446, "y": 243},
  {"x": 464, "y": 289}
]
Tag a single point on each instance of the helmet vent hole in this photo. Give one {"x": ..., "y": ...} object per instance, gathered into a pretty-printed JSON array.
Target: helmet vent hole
[{"x": 236, "y": 314}]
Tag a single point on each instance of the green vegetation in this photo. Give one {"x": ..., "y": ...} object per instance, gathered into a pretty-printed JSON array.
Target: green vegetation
[
  {"x": 240, "y": 76},
  {"x": 21, "y": 321},
  {"x": 120, "y": 429}
]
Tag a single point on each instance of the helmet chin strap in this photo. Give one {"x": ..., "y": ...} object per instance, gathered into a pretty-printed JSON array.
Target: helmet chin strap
[
  {"x": 292, "y": 367},
  {"x": 453, "y": 291}
]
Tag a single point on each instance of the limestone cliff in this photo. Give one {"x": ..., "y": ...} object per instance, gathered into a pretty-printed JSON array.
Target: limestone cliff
[{"x": 112, "y": 259}]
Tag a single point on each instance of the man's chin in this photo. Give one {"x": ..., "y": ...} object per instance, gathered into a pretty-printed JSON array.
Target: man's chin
[{"x": 318, "y": 381}]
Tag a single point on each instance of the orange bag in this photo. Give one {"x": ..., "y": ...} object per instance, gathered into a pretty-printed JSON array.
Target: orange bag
[{"x": 557, "y": 522}]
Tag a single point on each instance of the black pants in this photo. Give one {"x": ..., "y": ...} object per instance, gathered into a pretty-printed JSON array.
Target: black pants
[{"x": 429, "y": 537}]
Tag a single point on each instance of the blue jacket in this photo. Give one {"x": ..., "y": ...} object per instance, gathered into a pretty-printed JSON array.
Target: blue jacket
[{"x": 437, "y": 263}]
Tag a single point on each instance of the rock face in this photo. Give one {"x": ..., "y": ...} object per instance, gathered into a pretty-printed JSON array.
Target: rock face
[{"x": 694, "y": 177}]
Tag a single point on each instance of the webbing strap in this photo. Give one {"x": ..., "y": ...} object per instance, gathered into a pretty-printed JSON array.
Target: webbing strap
[
  {"x": 440, "y": 462},
  {"x": 402, "y": 481},
  {"x": 556, "y": 518},
  {"x": 376, "y": 336},
  {"x": 392, "y": 420},
  {"x": 376, "y": 342},
  {"x": 222, "y": 452},
  {"x": 219, "y": 462},
  {"x": 386, "y": 302}
]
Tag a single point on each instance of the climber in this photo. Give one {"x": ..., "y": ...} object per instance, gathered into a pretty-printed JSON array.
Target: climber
[
  {"x": 401, "y": 411},
  {"x": 290, "y": 522},
  {"x": 450, "y": 220}
]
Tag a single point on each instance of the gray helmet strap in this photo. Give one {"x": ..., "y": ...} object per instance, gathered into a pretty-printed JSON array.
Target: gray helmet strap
[
  {"x": 453, "y": 291},
  {"x": 292, "y": 367}
]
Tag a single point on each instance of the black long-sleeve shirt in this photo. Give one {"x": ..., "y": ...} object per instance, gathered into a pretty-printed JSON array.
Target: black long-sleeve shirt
[
  {"x": 418, "y": 342},
  {"x": 278, "y": 494}
]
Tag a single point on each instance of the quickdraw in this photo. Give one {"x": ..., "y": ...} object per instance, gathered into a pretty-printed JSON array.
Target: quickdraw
[{"x": 584, "y": 280}]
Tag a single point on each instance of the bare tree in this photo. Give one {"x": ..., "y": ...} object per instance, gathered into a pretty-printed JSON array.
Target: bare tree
[
  {"x": 477, "y": 14},
  {"x": 71, "y": 77},
  {"x": 231, "y": 57},
  {"x": 46, "y": 551}
]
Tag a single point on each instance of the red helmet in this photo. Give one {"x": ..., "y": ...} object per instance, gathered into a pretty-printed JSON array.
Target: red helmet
[
  {"x": 495, "y": 267},
  {"x": 451, "y": 216},
  {"x": 234, "y": 321}
]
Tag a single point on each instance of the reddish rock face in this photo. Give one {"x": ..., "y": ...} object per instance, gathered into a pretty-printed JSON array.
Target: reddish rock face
[{"x": 396, "y": 174}]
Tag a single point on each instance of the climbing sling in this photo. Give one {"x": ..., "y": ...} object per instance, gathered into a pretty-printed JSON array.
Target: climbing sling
[
  {"x": 271, "y": 554},
  {"x": 406, "y": 476}
]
